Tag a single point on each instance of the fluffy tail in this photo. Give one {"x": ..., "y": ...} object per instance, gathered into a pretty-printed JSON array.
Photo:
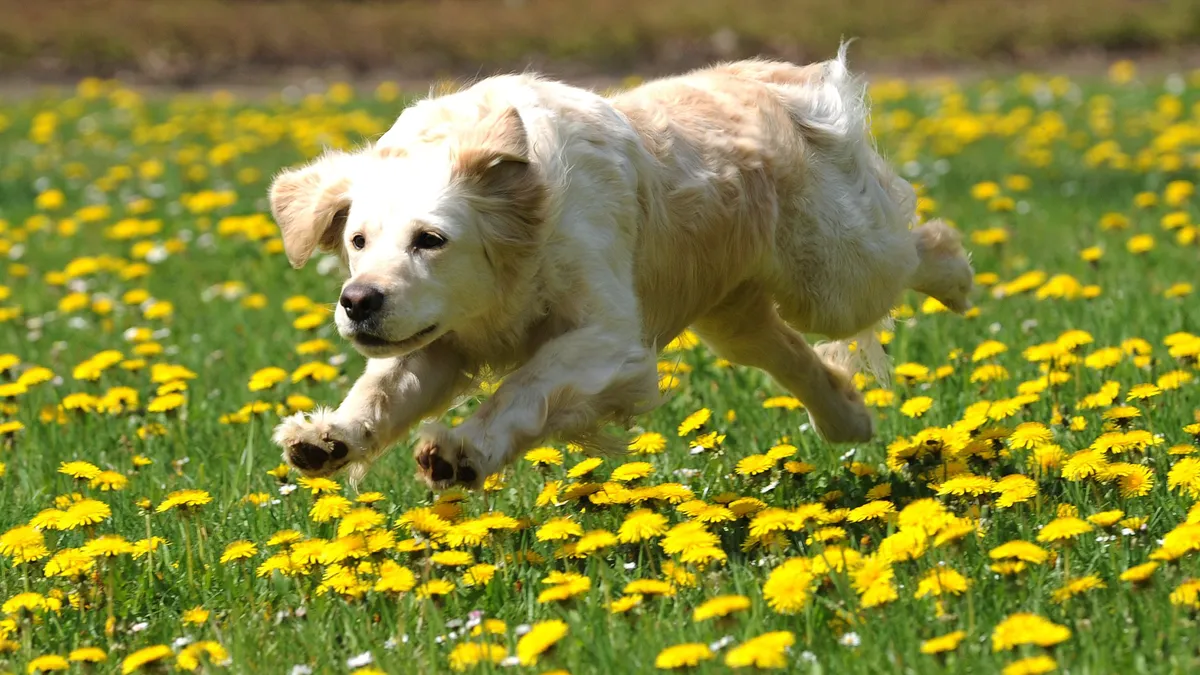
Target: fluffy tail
[{"x": 945, "y": 271}]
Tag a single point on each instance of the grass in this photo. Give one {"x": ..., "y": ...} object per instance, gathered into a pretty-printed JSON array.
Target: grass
[
  {"x": 138, "y": 226},
  {"x": 197, "y": 40}
]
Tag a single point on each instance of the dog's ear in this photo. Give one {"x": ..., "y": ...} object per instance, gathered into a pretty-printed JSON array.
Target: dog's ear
[
  {"x": 495, "y": 153},
  {"x": 310, "y": 204}
]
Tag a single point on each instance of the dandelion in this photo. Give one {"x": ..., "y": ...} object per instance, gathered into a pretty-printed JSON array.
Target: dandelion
[
  {"x": 144, "y": 657},
  {"x": 625, "y": 603},
  {"x": 648, "y": 443},
  {"x": 720, "y": 606},
  {"x": 694, "y": 421},
  {"x": 47, "y": 663},
  {"x": 1141, "y": 392},
  {"x": 84, "y": 513},
  {"x": 1032, "y": 665},
  {"x": 184, "y": 500},
  {"x": 764, "y": 651},
  {"x": 1027, "y": 629},
  {"x": 966, "y": 485},
  {"x": 189, "y": 658},
  {"x": 238, "y": 550},
  {"x": 1187, "y": 594},
  {"x": 685, "y": 655},
  {"x": 559, "y": 529},
  {"x": 789, "y": 587},
  {"x": 631, "y": 471},
  {"x": 544, "y": 456},
  {"x": 876, "y": 510},
  {"x": 195, "y": 616},
  {"x": 593, "y": 541},
  {"x": 434, "y": 588},
  {"x": 1020, "y": 550},
  {"x": 639, "y": 525},
  {"x": 1077, "y": 587},
  {"x": 916, "y": 407},
  {"x": 753, "y": 465},
  {"x": 395, "y": 578},
  {"x": 540, "y": 638},
  {"x": 329, "y": 507},
  {"x": 23, "y": 544},
  {"x": 1139, "y": 574},
  {"x": 467, "y": 655},
  {"x": 945, "y": 643},
  {"x": 87, "y": 655},
  {"x": 79, "y": 470},
  {"x": 941, "y": 581}
]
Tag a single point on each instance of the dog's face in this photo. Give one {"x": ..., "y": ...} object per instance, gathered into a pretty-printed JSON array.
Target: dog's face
[{"x": 430, "y": 232}]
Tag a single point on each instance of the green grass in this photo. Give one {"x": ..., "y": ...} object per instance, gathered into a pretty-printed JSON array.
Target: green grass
[{"x": 142, "y": 159}]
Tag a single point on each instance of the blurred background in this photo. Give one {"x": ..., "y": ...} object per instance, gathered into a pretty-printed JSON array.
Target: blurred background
[{"x": 191, "y": 43}]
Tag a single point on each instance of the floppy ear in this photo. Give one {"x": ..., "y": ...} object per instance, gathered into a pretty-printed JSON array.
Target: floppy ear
[
  {"x": 494, "y": 155},
  {"x": 492, "y": 161},
  {"x": 310, "y": 205}
]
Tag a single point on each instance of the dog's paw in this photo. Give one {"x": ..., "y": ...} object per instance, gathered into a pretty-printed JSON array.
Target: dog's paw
[
  {"x": 844, "y": 417},
  {"x": 445, "y": 459},
  {"x": 316, "y": 445}
]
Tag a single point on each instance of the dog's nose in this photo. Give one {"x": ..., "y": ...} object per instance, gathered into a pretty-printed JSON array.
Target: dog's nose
[{"x": 361, "y": 301}]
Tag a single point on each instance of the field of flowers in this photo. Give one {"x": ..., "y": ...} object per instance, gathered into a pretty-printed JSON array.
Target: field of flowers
[{"x": 1029, "y": 503}]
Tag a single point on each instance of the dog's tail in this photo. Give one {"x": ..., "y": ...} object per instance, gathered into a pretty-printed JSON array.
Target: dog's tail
[{"x": 945, "y": 270}]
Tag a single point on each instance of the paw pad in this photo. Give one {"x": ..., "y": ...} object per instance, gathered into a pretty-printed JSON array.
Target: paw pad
[{"x": 438, "y": 472}]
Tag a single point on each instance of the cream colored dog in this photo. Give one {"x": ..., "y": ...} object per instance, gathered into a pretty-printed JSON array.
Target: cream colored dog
[{"x": 527, "y": 228}]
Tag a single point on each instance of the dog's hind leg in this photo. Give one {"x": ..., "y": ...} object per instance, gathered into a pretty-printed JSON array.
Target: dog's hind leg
[
  {"x": 746, "y": 329},
  {"x": 945, "y": 270}
]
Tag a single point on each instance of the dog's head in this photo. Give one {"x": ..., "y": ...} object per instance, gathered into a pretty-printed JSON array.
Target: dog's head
[{"x": 434, "y": 232}]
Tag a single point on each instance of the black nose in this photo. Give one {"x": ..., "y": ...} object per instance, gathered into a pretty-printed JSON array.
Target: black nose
[{"x": 361, "y": 301}]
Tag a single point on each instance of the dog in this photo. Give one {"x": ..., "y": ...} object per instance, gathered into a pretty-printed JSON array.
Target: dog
[{"x": 529, "y": 229}]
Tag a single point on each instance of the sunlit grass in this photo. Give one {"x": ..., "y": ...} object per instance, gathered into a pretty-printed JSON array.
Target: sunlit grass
[{"x": 1027, "y": 504}]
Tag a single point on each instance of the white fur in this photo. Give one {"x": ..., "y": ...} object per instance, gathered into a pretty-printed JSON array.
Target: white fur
[{"x": 744, "y": 200}]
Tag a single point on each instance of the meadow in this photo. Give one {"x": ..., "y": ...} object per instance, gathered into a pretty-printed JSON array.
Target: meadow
[{"x": 1029, "y": 503}]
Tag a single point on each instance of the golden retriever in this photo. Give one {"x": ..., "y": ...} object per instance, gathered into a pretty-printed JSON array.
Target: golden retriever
[{"x": 527, "y": 228}]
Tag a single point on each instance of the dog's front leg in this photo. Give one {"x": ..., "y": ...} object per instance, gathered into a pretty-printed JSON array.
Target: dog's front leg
[
  {"x": 389, "y": 398},
  {"x": 571, "y": 385}
]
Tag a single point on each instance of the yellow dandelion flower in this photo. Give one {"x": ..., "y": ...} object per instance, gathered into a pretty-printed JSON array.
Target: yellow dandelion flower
[
  {"x": 145, "y": 657},
  {"x": 1032, "y": 665},
  {"x": 768, "y": 650},
  {"x": 1027, "y": 629},
  {"x": 540, "y": 638},
  {"x": 434, "y": 587},
  {"x": 754, "y": 465},
  {"x": 687, "y": 655},
  {"x": 238, "y": 550},
  {"x": 944, "y": 643},
  {"x": 631, "y": 471},
  {"x": 916, "y": 407},
  {"x": 185, "y": 500},
  {"x": 722, "y": 605},
  {"x": 1077, "y": 587},
  {"x": 694, "y": 421},
  {"x": 544, "y": 456},
  {"x": 467, "y": 655},
  {"x": 649, "y": 443}
]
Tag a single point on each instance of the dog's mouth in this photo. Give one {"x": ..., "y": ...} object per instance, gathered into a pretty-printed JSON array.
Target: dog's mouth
[{"x": 376, "y": 342}]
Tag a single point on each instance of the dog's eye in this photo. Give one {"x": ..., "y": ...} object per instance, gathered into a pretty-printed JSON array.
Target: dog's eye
[
  {"x": 428, "y": 240},
  {"x": 358, "y": 241}
]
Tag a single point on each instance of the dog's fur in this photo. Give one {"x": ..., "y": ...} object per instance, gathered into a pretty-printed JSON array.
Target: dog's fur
[{"x": 583, "y": 233}]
